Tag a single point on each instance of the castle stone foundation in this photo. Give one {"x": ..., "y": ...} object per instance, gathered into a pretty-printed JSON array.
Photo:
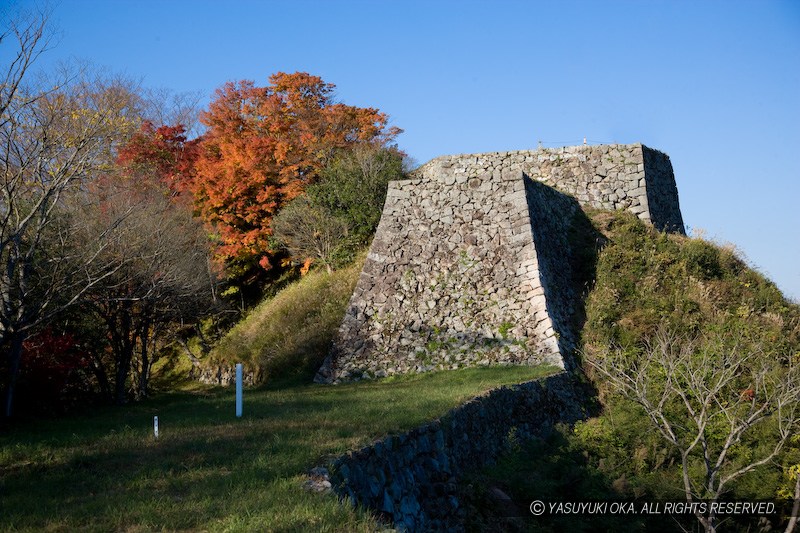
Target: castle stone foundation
[{"x": 472, "y": 260}]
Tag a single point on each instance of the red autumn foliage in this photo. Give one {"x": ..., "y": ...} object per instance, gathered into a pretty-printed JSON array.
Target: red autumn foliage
[
  {"x": 263, "y": 146},
  {"x": 162, "y": 152},
  {"x": 55, "y": 373}
]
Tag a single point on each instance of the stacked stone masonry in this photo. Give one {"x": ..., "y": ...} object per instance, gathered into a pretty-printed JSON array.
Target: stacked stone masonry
[
  {"x": 223, "y": 375},
  {"x": 470, "y": 262},
  {"x": 412, "y": 478}
]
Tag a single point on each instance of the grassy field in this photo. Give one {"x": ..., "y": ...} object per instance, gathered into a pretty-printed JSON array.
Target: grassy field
[{"x": 104, "y": 471}]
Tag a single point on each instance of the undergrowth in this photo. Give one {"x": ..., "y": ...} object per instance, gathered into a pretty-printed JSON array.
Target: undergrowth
[{"x": 645, "y": 280}]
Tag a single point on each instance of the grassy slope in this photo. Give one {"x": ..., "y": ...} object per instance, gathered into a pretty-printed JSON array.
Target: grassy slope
[
  {"x": 291, "y": 333},
  {"x": 208, "y": 471}
]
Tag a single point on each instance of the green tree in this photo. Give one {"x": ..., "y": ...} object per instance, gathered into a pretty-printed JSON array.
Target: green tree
[
  {"x": 310, "y": 232},
  {"x": 353, "y": 186},
  {"x": 340, "y": 213}
]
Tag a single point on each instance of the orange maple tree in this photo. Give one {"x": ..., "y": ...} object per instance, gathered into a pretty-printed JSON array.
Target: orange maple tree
[{"x": 263, "y": 146}]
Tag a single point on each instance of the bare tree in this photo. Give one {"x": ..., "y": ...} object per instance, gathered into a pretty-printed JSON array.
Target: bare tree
[
  {"x": 162, "y": 275},
  {"x": 166, "y": 107},
  {"x": 28, "y": 34},
  {"x": 55, "y": 134},
  {"x": 705, "y": 396}
]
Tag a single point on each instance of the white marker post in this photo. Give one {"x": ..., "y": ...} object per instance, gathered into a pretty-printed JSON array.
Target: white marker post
[
  {"x": 238, "y": 390},
  {"x": 155, "y": 426}
]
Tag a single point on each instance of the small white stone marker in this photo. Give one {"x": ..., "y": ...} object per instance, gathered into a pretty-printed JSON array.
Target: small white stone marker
[
  {"x": 238, "y": 390},
  {"x": 155, "y": 426}
]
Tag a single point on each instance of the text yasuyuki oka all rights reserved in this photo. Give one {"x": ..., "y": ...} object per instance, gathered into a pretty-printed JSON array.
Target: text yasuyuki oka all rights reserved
[{"x": 539, "y": 508}]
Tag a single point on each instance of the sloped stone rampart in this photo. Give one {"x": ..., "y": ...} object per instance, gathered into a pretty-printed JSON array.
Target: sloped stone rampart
[
  {"x": 553, "y": 215},
  {"x": 471, "y": 261},
  {"x": 662, "y": 193},
  {"x": 452, "y": 279},
  {"x": 412, "y": 477}
]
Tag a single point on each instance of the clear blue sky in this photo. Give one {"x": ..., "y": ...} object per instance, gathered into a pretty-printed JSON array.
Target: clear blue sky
[{"x": 715, "y": 84}]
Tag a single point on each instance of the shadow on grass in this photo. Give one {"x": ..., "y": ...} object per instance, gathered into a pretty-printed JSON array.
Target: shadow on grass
[
  {"x": 552, "y": 471},
  {"x": 208, "y": 470}
]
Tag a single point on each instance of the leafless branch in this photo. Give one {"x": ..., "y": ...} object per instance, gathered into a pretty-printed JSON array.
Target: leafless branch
[{"x": 700, "y": 381}]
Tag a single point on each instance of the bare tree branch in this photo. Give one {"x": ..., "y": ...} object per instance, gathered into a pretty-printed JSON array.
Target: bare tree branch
[
  {"x": 57, "y": 133},
  {"x": 700, "y": 381}
]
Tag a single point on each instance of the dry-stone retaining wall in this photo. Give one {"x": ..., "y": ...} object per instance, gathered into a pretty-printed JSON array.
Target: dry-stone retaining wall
[
  {"x": 662, "y": 194},
  {"x": 452, "y": 279},
  {"x": 223, "y": 375},
  {"x": 411, "y": 478},
  {"x": 553, "y": 215},
  {"x": 470, "y": 262}
]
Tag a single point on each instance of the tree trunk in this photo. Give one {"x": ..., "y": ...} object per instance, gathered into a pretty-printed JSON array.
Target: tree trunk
[
  {"x": 101, "y": 376},
  {"x": 144, "y": 374},
  {"x": 15, "y": 359},
  {"x": 121, "y": 378},
  {"x": 796, "y": 507},
  {"x": 126, "y": 340}
]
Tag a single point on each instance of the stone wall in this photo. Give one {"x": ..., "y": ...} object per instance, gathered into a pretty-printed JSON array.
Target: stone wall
[
  {"x": 470, "y": 264},
  {"x": 553, "y": 215},
  {"x": 452, "y": 279},
  {"x": 411, "y": 478},
  {"x": 608, "y": 176},
  {"x": 662, "y": 193},
  {"x": 222, "y": 375}
]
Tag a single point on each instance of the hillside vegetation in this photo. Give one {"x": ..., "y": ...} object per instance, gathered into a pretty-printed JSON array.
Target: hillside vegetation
[
  {"x": 646, "y": 279},
  {"x": 290, "y": 333},
  {"x": 647, "y": 283}
]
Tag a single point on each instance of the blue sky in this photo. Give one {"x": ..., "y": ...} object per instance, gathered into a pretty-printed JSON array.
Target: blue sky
[{"x": 714, "y": 84}]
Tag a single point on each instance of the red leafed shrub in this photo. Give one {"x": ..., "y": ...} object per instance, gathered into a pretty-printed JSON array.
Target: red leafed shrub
[{"x": 55, "y": 374}]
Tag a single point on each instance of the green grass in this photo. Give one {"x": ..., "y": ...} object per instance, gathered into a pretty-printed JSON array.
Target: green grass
[
  {"x": 291, "y": 332},
  {"x": 104, "y": 471}
]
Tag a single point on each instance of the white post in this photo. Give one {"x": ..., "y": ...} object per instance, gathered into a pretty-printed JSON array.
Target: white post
[
  {"x": 155, "y": 426},
  {"x": 238, "y": 390}
]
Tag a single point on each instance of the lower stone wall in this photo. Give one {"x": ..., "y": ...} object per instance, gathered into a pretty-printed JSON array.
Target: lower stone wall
[
  {"x": 223, "y": 375},
  {"x": 411, "y": 478}
]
